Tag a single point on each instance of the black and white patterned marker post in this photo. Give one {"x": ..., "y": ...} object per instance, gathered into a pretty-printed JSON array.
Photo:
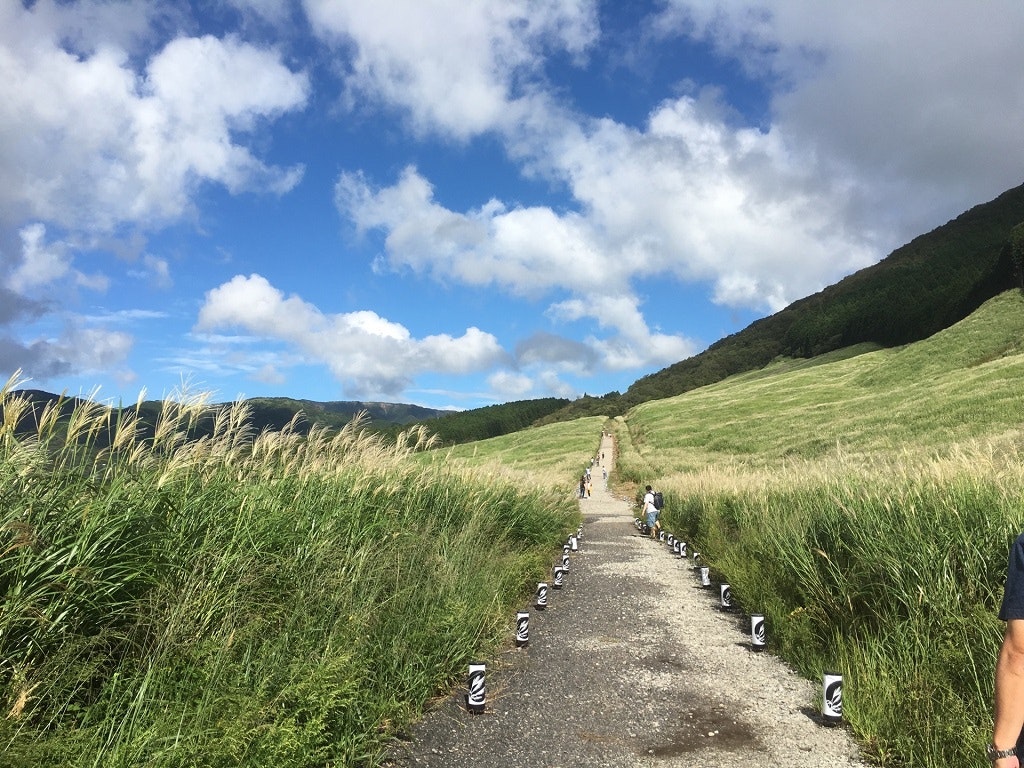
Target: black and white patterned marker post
[
  {"x": 832, "y": 698},
  {"x": 477, "y": 695},
  {"x": 559, "y": 575},
  {"x": 725, "y": 596},
  {"x": 758, "y": 637},
  {"x": 542, "y": 595},
  {"x": 522, "y": 628}
]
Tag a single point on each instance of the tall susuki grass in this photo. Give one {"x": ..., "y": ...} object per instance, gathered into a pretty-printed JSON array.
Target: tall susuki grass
[
  {"x": 866, "y": 507},
  {"x": 891, "y": 577},
  {"x": 270, "y": 599}
]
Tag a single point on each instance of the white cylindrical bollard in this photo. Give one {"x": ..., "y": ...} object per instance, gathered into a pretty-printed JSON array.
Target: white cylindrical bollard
[
  {"x": 559, "y": 577},
  {"x": 565, "y": 562},
  {"x": 476, "y": 697},
  {"x": 705, "y": 576},
  {"x": 682, "y": 549},
  {"x": 542, "y": 595},
  {"x": 757, "y": 634},
  {"x": 725, "y": 593},
  {"x": 574, "y": 544},
  {"x": 522, "y": 628},
  {"x": 832, "y": 698}
]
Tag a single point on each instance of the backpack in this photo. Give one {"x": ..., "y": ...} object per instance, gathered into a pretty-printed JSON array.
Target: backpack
[{"x": 659, "y": 500}]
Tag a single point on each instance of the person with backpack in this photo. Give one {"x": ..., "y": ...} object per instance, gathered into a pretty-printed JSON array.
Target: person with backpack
[{"x": 652, "y": 510}]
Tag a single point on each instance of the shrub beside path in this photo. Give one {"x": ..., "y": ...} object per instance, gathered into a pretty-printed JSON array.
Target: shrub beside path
[{"x": 631, "y": 664}]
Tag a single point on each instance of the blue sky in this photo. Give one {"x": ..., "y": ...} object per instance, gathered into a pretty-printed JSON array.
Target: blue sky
[{"x": 456, "y": 203}]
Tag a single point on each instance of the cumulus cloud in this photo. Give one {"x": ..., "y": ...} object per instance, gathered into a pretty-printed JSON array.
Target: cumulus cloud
[
  {"x": 862, "y": 125},
  {"x": 106, "y": 129},
  {"x": 91, "y": 143},
  {"x": 368, "y": 354},
  {"x": 906, "y": 107},
  {"x": 542, "y": 348},
  {"x": 523, "y": 250},
  {"x": 510, "y": 385},
  {"x": 84, "y": 350},
  {"x": 455, "y": 67}
]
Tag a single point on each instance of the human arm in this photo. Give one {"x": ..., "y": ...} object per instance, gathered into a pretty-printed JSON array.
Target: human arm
[{"x": 1009, "y": 687}]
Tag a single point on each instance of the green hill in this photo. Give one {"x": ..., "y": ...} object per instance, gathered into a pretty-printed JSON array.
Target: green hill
[
  {"x": 864, "y": 504},
  {"x": 960, "y": 385},
  {"x": 919, "y": 289}
]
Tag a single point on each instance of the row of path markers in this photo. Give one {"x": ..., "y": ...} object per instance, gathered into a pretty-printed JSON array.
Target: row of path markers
[
  {"x": 476, "y": 695},
  {"x": 832, "y": 682}
]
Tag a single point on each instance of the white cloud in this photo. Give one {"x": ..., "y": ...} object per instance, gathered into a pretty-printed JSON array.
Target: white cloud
[
  {"x": 41, "y": 262},
  {"x": 510, "y": 385},
  {"x": 459, "y": 67},
  {"x": 922, "y": 110},
  {"x": 90, "y": 350},
  {"x": 43, "y": 265},
  {"x": 91, "y": 143},
  {"x": 864, "y": 125},
  {"x": 523, "y": 250},
  {"x": 75, "y": 350},
  {"x": 368, "y": 354}
]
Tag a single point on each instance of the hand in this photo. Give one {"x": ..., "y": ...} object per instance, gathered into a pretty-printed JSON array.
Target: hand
[{"x": 1007, "y": 762}]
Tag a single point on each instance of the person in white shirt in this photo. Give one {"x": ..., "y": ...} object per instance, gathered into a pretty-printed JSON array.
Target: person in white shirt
[{"x": 651, "y": 512}]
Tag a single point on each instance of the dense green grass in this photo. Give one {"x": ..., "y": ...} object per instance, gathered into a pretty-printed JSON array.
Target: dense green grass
[
  {"x": 555, "y": 452},
  {"x": 866, "y": 506},
  {"x": 246, "y": 600}
]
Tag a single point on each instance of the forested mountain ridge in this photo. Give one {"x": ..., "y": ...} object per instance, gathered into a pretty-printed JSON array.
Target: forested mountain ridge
[
  {"x": 932, "y": 282},
  {"x": 274, "y": 413}
]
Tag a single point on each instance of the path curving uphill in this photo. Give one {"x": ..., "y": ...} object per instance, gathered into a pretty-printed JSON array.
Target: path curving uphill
[{"x": 631, "y": 664}]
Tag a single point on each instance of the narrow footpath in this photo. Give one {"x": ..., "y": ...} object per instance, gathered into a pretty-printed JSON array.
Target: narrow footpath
[{"x": 632, "y": 663}]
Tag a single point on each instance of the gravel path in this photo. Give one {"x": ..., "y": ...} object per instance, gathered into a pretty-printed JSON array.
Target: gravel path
[{"x": 631, "y": 664}]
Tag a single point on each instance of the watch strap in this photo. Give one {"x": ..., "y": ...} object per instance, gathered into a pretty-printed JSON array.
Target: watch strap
[{"x": 998, "y": 754}]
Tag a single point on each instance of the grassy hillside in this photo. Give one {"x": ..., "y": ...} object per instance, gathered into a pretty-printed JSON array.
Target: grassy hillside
[
  {"x": 962, "y": 383},
  {"x": 865, "y": 503},
  {"x": 920, "y": 288},
  {"x": 554, "y": 453}
]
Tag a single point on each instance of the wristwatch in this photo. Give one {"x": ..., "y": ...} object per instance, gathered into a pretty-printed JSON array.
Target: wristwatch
[{"x": 998, "y": 754}]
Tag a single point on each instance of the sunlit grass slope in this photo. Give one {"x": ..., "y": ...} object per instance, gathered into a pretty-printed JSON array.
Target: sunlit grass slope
[
  {"x": 866, "y": 506},
  {"x": 550, "y": 454},
  {"x": 248, "y": 600}
]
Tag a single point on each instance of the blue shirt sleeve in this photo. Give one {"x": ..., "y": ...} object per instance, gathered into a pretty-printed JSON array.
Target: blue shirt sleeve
[{"x": 1013, "y": 592}]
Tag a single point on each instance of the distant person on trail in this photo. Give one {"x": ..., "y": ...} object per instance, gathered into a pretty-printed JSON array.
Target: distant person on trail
[
  {"x": 651, "y": 512},
  {"x": 583, "y": 485},
  {"x": 1007, "y": 745}
]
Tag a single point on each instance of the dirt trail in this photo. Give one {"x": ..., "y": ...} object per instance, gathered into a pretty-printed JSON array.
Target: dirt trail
[{"x": 631, "y": 664}]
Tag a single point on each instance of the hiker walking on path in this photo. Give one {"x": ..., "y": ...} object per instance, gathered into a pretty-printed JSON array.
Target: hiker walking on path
[{"x": 651, "y": 512}]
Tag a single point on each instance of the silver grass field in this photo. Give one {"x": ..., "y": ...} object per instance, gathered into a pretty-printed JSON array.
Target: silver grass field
[{"x": 250, "y": 600}]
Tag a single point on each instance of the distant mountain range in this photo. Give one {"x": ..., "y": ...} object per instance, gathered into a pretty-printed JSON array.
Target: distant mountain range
[{"x": 920, "y": 288}]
